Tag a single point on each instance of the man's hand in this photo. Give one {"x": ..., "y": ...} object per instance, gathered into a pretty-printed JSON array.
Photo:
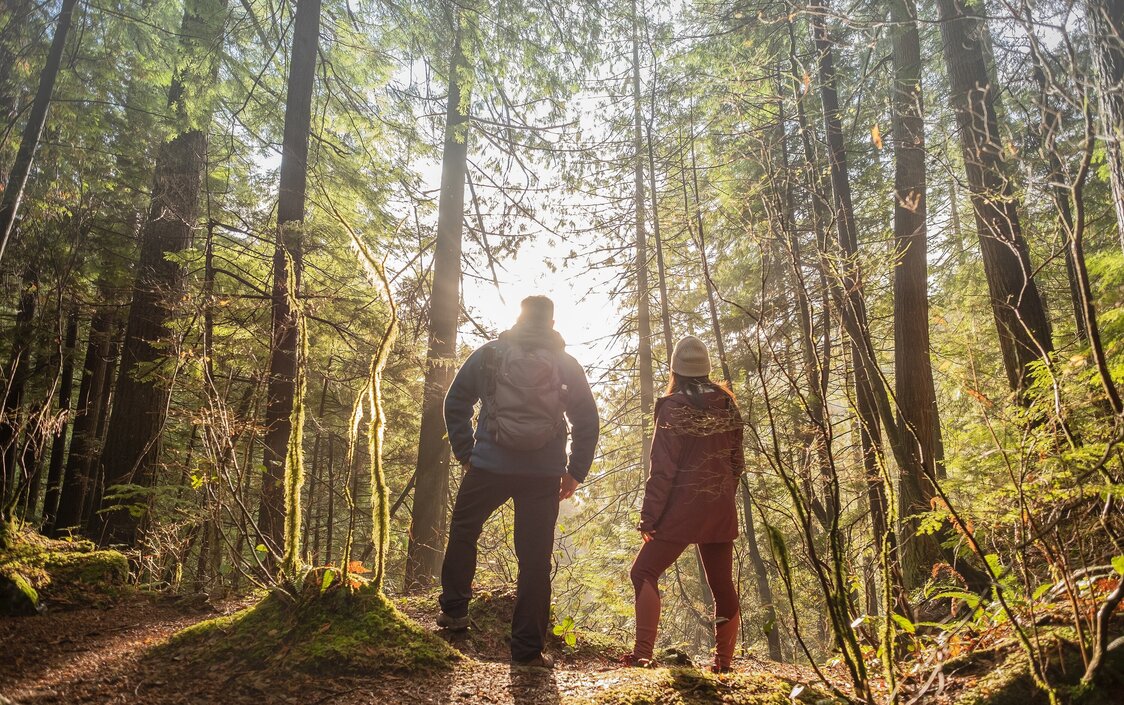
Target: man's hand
[
  {"x": 567, "y": 487},
  {"x": 647, "y": 535}
]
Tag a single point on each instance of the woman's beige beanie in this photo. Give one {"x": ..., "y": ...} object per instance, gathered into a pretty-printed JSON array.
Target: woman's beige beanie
[{"x": 690, "y": 358}]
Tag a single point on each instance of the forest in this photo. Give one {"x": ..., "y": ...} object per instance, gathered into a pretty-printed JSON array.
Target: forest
[{"x": 246, "y": 245}]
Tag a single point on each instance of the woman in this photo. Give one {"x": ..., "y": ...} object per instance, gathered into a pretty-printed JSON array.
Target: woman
[{"x": 689, "y": 498}]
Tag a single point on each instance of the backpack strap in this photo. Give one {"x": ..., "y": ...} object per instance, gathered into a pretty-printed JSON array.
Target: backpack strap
[{"x": 490, "y": 368}]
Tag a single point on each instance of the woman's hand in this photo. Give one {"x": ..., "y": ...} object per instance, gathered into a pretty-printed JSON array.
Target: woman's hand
[{"x": 647, "y": 535}]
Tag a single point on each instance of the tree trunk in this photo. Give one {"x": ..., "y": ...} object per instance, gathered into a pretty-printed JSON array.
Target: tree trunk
[
  {"x": 19, "y": 368},
  {"x": 33, "y": 130},
  {"x": 314, "y": 475},
  {"x": 704, "y": 259},
  {"x": 77, "y": 481},
  {"x": 105, "y": 404},
  {"x": 760, "y": 574},
  {"x": 643, "y": 314},
  {"x": 913, "y": 371},
  {"x": 1106, "y": 19},
  {"x": 136, "y": 422},
  {"x": 1045, "y": 134},
  {"x": 58, "y": 442},
  {"x": 427, "y": 523},
  {"x": 1020, "y": 316},
  {"x": 279, "y": 509}
]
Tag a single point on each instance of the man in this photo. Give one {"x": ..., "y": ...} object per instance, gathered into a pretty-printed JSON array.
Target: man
[{"x": 528, "y": 388}]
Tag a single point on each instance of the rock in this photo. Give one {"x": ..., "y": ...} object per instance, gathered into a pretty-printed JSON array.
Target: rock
[{"x": 17, "y": 597}]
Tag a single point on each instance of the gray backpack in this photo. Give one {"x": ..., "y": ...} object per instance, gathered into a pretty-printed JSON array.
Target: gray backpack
[{"x": 528, "y": 396}]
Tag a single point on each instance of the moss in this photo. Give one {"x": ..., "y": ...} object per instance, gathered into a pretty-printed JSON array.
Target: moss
[
  {"x": 64, "y": 570},
  {"x": 687, "y": 686},
  {"x": 337, "y": 630},
  {"x": 17, "y": 596}
]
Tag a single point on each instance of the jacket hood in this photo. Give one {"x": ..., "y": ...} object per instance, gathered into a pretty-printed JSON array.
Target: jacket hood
[{"x": 532, "y": 336}]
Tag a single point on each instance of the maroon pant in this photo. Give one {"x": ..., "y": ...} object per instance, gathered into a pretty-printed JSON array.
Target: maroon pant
[{"x": 654, "y": 558}]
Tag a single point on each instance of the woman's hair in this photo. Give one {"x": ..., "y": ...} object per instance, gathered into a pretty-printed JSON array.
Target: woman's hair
[{"x": 695, "y": 387}]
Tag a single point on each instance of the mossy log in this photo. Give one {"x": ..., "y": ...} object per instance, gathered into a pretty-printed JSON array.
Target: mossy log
[{"x": 34, "y": 567}]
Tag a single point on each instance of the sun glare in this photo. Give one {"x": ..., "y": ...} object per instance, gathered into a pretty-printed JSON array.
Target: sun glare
[{"x": 583, "y": 313}]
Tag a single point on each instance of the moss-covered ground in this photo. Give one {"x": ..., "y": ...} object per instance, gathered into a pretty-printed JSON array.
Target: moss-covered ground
[
  {"x": 337, "y": 630},
  {"x": 689, "y": 686},
  {"x": 57, "y": 572}
]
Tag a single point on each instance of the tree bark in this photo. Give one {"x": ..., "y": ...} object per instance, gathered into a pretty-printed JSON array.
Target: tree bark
[
  {"x": 1020, "y": 316},
  {"x": 33, "y": 130},
  {"x": 913, "y": 372},
  {"x": 132, "y": 447},
  {"x": 282, "y": 387},
  {"x": 77, "y": 481},
  {"x": 58, "y": 442},
  {"x": 643, "y": 312},
  {"x": 19, "y": 369},
  {"x": 427, "y": 524},
  {"x": 105, "y": 404}
]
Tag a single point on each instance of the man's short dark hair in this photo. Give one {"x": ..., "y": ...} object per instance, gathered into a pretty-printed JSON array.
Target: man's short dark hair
[{"x": 537, "y": 310}]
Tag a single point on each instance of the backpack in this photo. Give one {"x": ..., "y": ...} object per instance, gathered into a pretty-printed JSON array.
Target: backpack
[{"x": 528, "y": 397}]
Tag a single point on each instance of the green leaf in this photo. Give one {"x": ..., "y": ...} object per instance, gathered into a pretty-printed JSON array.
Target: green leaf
[
  {"x": 904, "y": 623},
  {"x": 1118, "y": 564},
  {"x": 329, "y": 576},
  {"x": 969, "y": 599},
  {"x": 571, "y": 639},
  {"x": 1043, "y": 589},
  {"x": 558, "y": 629},
  {"x": 260, "y": 548}
]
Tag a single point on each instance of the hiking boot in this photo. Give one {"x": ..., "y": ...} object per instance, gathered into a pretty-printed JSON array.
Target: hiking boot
[
  {"x": 631, "y": 661},
  {"x": 453, "y": 624},
  {"x": 540, "y": 661},
  {"x": 720, "y": 669}
]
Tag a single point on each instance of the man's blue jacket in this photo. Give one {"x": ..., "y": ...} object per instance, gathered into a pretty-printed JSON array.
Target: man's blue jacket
[{"x": 480, "y": 449}]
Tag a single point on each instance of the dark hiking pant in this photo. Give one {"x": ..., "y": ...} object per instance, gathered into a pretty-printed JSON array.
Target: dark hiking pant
[
  {"x": 654, "y": 558},
  {"x": 536, "y": 512}
]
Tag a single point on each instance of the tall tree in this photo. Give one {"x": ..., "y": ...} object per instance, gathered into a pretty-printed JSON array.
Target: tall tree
[
  {"x": 58, "y": 440},
  {"x": 141, "y": 398},
  {"x": 643, "y": 295},
  {"x": 431, "y": 491},
  {"x": 913, "y": 371},
  {"x": 18, "y": 371},
  {"x": 78, "y": 482},
  {"x": 278, "y": 514},
  {"x": 1020, "y": 316},
  {"x": 33, "y": 129}
]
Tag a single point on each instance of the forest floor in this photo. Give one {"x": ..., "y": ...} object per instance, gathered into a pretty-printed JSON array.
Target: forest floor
[
  {"x": 114, "y": 653},
  {"x": 106, "y": 655}
]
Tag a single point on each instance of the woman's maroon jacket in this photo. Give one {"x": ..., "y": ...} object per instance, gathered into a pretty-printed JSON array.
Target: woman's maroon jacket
[{"x": 697, "y": 458}]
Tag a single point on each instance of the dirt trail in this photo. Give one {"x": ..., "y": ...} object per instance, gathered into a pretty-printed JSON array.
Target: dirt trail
[{"x": 91, "y": 655}]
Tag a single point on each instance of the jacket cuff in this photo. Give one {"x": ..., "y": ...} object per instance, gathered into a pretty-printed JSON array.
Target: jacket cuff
[{"x": 580, "y": 477}]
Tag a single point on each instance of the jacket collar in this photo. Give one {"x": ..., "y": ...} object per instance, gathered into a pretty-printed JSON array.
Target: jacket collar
[{"x": 533, "y": 337}]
